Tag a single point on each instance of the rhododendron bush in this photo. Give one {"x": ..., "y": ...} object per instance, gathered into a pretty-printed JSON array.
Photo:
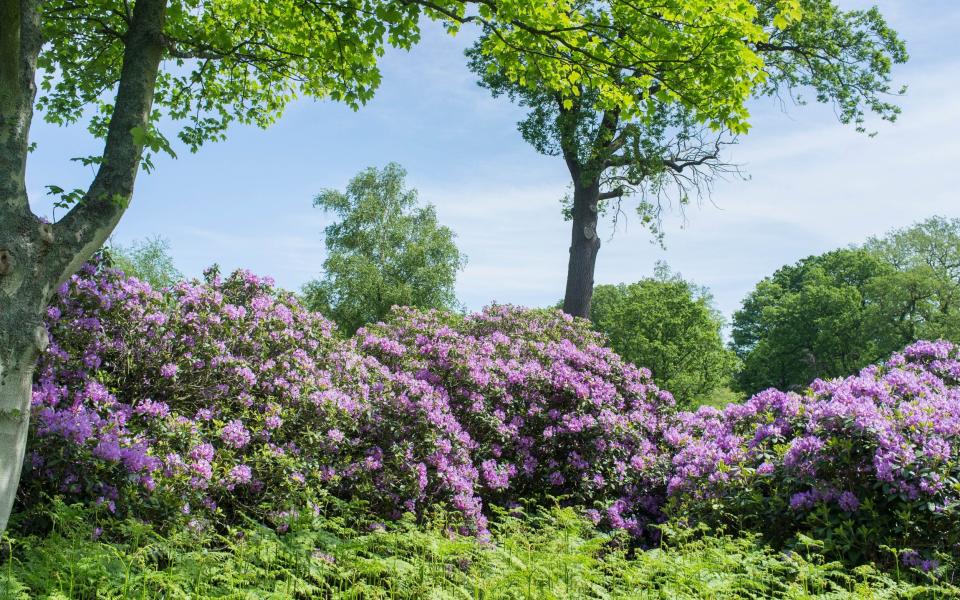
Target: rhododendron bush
[
  {"x": 548, "y": 409},
  {"x": 861, "y": 462},
  {"x": 196, "y": 401},
  {"x": 223, "y": 399}
]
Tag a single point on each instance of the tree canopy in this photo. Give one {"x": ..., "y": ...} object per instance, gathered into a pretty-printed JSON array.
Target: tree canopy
[
  {"x": 809, "y": 320},
  {"x": 670, "y": 326},
  {"x": 927, "y": 258},
  {"x": 148, "y": 260},
  {"x": 832, "y": 314},
  {"x": 662, "y": 141},
  {"x": 383, "y": 250}
]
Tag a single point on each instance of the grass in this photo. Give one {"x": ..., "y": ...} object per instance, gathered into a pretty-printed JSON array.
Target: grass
[{"x": 546, "y": 555}]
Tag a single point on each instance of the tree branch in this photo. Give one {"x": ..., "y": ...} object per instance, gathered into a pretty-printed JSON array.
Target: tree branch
[
  {"x": 679, "y": 165},
  {"x": 618, "y": 192},
  {"x": 90, "y": 222}
]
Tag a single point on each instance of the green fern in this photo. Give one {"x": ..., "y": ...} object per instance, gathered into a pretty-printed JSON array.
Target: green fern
[{"x": 542, "y": 554}]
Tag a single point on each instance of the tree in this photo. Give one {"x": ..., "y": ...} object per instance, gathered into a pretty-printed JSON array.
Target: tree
[
  {"x": 670, "y": 326},
  {"x": 128, "y": 67},
  {"x": 384, "y": 250},
  {"x": 669, "y": 144},
  {"x": 148, "y": 260},
  {"x": 829, "y": 315},
  {"x": 927, "y": 258},
  {"x": 822, "y": 317}
]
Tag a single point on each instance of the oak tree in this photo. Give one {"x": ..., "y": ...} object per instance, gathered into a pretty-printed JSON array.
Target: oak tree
[
  {"x": 682, "y": 71},
  {"x": 813, "y": 319},
  {"x": 831, "y": 314}
]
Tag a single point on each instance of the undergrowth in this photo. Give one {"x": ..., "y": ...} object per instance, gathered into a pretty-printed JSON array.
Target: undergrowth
[{"x": 547, "y": 554}]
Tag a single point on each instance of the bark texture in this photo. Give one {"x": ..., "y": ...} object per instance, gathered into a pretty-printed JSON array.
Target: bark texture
[
  {"x": 16, "y": 378},
  {"x": 584, "y": 245},
  {"x": 22, "y": 293}
]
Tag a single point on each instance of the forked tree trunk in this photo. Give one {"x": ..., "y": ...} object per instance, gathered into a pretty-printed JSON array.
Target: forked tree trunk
[
  {"x": 584, "y": 245},
  {"x": 35, "y": 257}
]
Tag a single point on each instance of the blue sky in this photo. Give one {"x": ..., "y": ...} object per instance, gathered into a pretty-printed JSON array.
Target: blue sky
[{"x": 814, "y": 184}]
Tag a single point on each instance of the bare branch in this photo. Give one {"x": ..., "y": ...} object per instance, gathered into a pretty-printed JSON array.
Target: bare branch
[{"x": 618, "y": 192}]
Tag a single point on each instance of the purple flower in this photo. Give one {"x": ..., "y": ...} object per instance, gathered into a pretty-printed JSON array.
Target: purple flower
[
  {"x": 149, "y": 408},
  {"x": 765, "y": 468},
  {"x": 848, "y": 502},
  {"x": 240, "y": 474},
  {"x": 235, "y": 434},
  {"x": 202, "y": 452}
]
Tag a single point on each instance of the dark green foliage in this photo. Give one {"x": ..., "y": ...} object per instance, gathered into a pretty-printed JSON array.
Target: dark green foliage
[
  {"x": 811, "y": 320},
  {"x": 384, "y": 250},
  {"x": 668, "y": 325},
  {"x": 831, "y": 314}
]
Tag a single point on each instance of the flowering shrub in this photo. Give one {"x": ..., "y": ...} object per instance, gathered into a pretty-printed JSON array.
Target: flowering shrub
[
  {"x": 223, "y": 397},
  {"x": 198, "y": 400},
  {"x": 859, "y": 462},
  {"x": 546, "y": 409},
  {"x": 215, "y": 400}
]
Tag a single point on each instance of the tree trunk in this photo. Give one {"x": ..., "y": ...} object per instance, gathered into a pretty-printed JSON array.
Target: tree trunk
[
  {"x": 24, "y": 292},
  {"x": 35, "y": 257},
  {"x": 584, "y": 245},
  {"x": 16, "y": 377}
]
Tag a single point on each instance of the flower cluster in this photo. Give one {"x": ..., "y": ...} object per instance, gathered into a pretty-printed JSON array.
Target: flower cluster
[{"x": 861, "y": 461}]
